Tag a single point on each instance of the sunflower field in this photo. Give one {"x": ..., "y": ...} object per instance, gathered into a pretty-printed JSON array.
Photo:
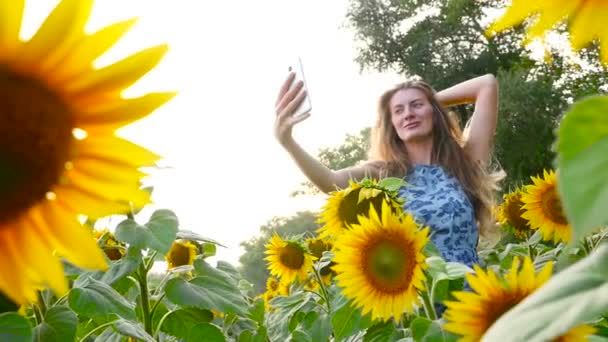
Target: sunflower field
[{"x": 370, "y": 273}]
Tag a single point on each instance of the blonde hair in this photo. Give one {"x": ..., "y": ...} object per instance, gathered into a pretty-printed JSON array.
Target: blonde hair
[{"x": 391, "y": 158}]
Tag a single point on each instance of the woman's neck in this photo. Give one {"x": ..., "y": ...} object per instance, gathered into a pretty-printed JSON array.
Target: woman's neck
[{"x": 420, "y": 152}]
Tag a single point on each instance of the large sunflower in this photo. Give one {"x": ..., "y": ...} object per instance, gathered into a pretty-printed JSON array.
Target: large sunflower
[
  {"x": 543, "y": 209},
  {"x": 510, "y": 213},
  {"x": 59, "y": 157},
  {"x": 344, "y": 206},
  {"x": 181, "y": 253},
  {"x": 474, "y": 313},
  {"x": 288, "y": 260},
  {"x": 585, "y": 20},
  {"x": 379, "y": 263}
]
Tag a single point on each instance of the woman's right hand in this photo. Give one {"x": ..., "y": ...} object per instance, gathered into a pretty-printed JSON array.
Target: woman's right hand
[{"x": 287, "y": 102}]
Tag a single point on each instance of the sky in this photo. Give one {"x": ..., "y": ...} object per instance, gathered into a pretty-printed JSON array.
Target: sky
[{"x": 224, "y": 174}]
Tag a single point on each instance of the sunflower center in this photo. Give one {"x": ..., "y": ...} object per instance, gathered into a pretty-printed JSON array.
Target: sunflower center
[
  {"x": 35, "y": 133},
  {"x": 514, "y": 211},
  {"x": 179, "y": 255},
  {"x": 292, "y": 257},
  {"x": 388, "y": 265},
  {"x": 552, "y": 206},
  {"x": 350, "y": 207},
  {"x": 501, "y": 305}
]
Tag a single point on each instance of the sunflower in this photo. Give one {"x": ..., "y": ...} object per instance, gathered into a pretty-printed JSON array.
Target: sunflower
[
  {"x": 543, "y": 209},
  {"x": 585, "y": 20},
  {"x": 288, "y": 260},
  {"x": 316, "y": 247},
  {"x": 379, "y": 263},
  {"x": 181, "y": 253},
  {"x": 510, "y": 213},
  {"x": 59, "y": 156},
  {"x": 113, "y": 248},
  {"x": 474, "y": 313},
  {"x": 344, "y": 206}
]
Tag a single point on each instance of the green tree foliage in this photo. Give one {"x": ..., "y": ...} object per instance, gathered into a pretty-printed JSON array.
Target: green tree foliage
[
  {"x": 253, "y": 266},
  {"x": 443, "y": 42}
]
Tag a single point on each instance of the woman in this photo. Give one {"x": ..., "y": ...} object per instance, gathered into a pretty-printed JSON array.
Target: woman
[{"x": 416, "y": 138}]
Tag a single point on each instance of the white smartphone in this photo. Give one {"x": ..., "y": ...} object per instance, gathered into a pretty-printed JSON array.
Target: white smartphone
[{"x": 298, "y": 69}]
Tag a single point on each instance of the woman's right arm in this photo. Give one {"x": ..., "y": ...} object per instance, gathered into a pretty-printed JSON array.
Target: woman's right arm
[{"x": 320, "y": 175}]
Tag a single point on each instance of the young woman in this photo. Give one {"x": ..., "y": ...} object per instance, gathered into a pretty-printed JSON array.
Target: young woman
[{"x": 448, "y": 188}]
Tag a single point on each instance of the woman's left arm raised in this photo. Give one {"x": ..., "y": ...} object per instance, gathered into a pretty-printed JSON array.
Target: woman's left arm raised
[{"x": 483, "y": 91}]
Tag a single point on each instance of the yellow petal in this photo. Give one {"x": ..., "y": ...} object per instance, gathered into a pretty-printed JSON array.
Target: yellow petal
[
  {"x": 87, "y": 203},
  {"x": 112, "y": 190},
  {"x": 116, "y": 77},
  {"x": 515, "y": 15},
  {"x": 63, "y": 27},
  {"x": 39, "y": 254},
  {"x": 10, "y": 26},
  {"x": 107, "y": 170},
  {"x": 121, "y": 112},
  {"x": 89, "y": 48},
  {"x": 114, "y": 149},
  {"x": 74, "y": 241},
  {"x": 12, "y": 279}
]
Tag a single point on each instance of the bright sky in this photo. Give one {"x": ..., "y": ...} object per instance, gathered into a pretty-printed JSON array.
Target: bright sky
[{"x": 227, "y": 59}]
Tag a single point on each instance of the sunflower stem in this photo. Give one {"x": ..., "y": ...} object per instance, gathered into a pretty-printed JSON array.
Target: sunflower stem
[
  {"x": 429, "y": 309},
  {"x": 145, "y": 301},
  {"x": 38, "y": 314},
  {"x": 156, "y": 305},
  {"x": 323, "y": 289}
]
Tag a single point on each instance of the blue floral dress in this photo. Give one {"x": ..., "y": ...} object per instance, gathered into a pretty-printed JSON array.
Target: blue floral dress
[{"x": 436, "y": 199}]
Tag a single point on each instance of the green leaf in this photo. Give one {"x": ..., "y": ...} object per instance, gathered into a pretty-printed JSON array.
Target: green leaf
[
  {"x": 158, "y": 234},
  {"x": 424, "y": 330},
  {"x": 347, "y": 320},
  {"x": 132, "y": 329},
  {"x": 457, "y": 270},
  {"x": 94, "y": 299},
  {"x": 180, "y": 322},
  {"x": 214, "y": 289},
  {"x": 60, "y": 324},
  {"x": 132, "y": 233},
  {"x": 162, "y": 227},
  {"x": 392, "y": 183},
  {"x": 190, "y": 235},
  {"x": 383, "y": 332},
  {"x": 14, "y": 327},
  {"x": 118, "y": 269},
  {"x": 206, "y": 332},
  {"x": 582, "y": 164},
  {"x": 209, "y": 249},
  {"x": 576, "y": 295},
  {"x": 256, "y": 311}
]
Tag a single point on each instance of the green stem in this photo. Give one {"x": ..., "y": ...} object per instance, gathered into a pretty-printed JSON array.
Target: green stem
[
  {"x": 160, "y": 324},
  {"x": 145, "y": 302},
  {"x": 41, "y": 303},
  {"x": 323, "y": 289},
  {"x": 37, "y": 313},
  {"x": 95, "y": 330},
  {"x": 156, "y": 305},
  {"x": 428, "y": 305}
]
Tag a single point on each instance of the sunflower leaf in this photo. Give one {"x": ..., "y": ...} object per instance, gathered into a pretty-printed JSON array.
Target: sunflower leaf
[
  {"x": 576, "y": 295},
  {"x": 424, "y": 330},
  {"x": 347, "y": 320},
  {"x": 162, "y": 228},
  {"x": 179, "y": 322},
  {"x": 582, "y": 164},
  {"x": 132, "y": 329},
  {"x": 132, "y": 233},
  {"x": 206, "y": 332},
  {"x": 392, "y": 183},
  {"x": 189, "y": 235},
  {"x": 14, "y": 327},
  {"x": 94, "y": 298},
  {"x": 212, "y": 289},
  {"x": 60, "y": 324}
]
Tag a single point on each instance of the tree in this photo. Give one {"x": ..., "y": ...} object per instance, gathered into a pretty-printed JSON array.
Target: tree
[
  {"x": 253, "y": 266},
  {"x": 443, "y": 42}
]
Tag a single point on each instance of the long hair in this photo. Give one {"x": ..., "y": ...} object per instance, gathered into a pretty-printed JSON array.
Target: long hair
[{"x": 390, "y": 156}]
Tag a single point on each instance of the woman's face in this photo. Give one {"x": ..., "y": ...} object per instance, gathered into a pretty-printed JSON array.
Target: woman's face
[{"x": 411, "y": 115}]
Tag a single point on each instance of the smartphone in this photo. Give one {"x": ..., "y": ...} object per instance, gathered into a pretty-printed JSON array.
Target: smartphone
[{"x": 297, "y": 67}]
